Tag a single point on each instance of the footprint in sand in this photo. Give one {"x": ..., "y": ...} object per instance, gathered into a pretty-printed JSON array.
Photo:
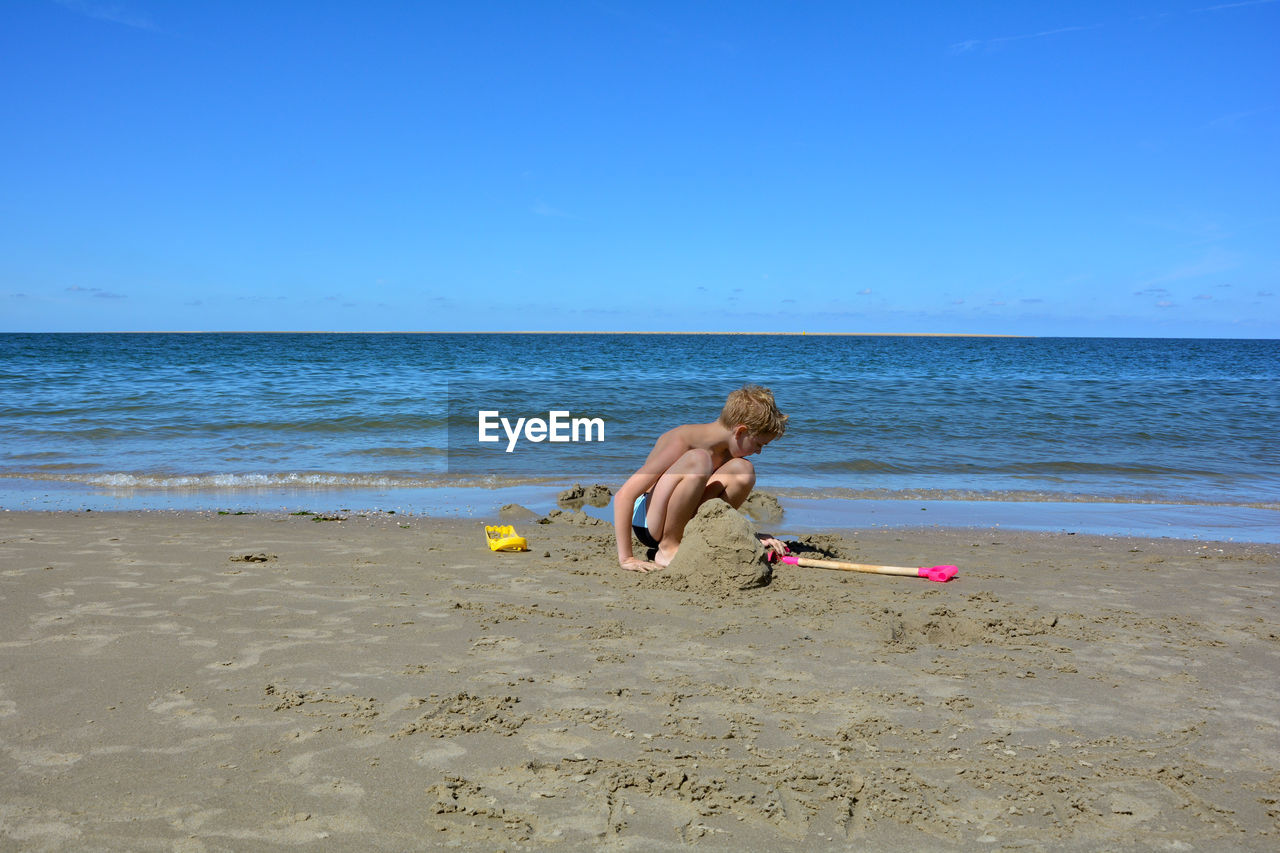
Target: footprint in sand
[{"x": 181, "y": 710}]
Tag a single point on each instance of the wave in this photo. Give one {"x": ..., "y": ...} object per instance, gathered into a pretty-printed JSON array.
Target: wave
[
  {"x": 410, "y": 452},
  {"x": 156, "y": 428},
  {"x": 1009, "y": 496},
  {"x": 1045, "y": 468},
  {"x": 333, "y": 481},
  {"x": 252, "y": 481},
  {"x": 35, "y": 456}
]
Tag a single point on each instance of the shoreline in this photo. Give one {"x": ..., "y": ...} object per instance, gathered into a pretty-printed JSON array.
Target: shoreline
[
  {"x": 193, "y": 680},
  {"x": 1204, "y": 522}
]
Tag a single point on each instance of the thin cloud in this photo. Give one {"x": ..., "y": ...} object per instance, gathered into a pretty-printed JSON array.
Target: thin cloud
[
  {"x": 1231, "y": 119},
  {"x": 1213, "y": 264},
  {"x": 973, "y": 44},
  {"x": 114, "y": 13},
  {"x": 96, "y": 292},
  {"x": 1222, "y": 6},
  {"x": 970, "y": 45}
]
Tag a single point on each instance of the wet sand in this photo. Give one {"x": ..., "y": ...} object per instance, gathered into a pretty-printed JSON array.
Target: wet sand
[{"x": 191, "y": 682}]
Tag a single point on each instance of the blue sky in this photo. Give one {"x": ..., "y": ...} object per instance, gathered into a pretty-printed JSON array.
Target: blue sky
[{"x": 1015, "y": 167}]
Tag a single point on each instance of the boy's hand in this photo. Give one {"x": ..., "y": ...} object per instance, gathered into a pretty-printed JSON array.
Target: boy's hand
[
  {"x": 635, "y": 564},
  {"x": 776, "y": 547}
]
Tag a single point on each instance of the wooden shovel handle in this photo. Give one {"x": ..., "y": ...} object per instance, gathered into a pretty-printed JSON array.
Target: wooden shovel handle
[{"x": 842, "y": 566}]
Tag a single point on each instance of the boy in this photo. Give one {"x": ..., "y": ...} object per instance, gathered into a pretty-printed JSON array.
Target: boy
[{"x": 692, "y": 464}]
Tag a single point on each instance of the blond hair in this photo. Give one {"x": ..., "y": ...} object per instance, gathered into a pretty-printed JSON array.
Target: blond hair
[{"x": 753, "y": 407}]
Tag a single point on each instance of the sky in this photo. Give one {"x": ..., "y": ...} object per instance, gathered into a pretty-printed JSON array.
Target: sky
[{"x": 1034, "y": 168}]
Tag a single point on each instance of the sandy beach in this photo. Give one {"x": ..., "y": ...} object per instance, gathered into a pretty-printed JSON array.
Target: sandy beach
[{"x": 203, "y": 682}]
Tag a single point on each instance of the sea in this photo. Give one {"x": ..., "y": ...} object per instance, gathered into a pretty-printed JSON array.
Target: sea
[{"x": 1173, "y": 437}]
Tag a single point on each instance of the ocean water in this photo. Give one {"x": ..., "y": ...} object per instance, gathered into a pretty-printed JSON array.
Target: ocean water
[{"x": 1018, "y": 420}]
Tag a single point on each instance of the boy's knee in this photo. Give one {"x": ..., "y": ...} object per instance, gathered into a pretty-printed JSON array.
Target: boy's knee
[
  {"x": 696, "y": 461},
  {"x": 733, "y": 482},
  {"x": 740, "y": 469}
]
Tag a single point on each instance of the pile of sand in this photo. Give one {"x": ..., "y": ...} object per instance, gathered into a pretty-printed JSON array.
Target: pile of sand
[
  {"x": 515, "y": 512},
  {"x": 762, "y": 507},
  {"x": 577, "y": 516},
  {"x": 596, "y": 495},
  {"x": 720, "y": 552}
]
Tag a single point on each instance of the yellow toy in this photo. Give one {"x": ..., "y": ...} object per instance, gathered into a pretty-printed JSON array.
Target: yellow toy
[{"x": 505, "y": 539}]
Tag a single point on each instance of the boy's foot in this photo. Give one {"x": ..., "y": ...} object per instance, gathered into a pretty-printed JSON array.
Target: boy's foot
[{"x": 664, "y": 558}]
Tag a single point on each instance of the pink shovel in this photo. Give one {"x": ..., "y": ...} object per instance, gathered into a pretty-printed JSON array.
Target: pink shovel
[{"x": 941, "y": 574}]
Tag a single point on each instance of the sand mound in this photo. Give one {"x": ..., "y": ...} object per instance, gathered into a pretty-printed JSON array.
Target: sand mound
[
  {"x": 516, "y": 512},
  {"x": 762, "y": 507},
  {"x": 596, "y": 495},
  {"x": 823, "y": 546},
  {"x": 720, "y": 552},
  {"x": 577, "y": 516}
]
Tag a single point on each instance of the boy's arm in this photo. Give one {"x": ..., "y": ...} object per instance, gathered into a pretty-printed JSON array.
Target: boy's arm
[
  {"x": 670, "y": 446},
  {"x": 623, "y": 506}
]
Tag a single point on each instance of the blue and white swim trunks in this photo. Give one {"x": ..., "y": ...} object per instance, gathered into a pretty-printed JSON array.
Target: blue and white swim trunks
[{"x": 640, "y": 521}]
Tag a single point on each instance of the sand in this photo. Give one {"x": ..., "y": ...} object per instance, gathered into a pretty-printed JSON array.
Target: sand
[
  {"x": 576, "y": 496},
  {"x": 763, "y": 508},
  {"x": 195, "y": 682},
  {"x": 720, "y": 554}
]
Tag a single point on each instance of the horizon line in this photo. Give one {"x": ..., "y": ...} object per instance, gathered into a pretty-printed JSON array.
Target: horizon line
[
  {"x": 602, "y": 332},
  {"x": 515, "y": 332}
]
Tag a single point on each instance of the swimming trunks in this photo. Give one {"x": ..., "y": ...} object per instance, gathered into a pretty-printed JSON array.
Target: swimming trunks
[{"x": 640, "y": 521}]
